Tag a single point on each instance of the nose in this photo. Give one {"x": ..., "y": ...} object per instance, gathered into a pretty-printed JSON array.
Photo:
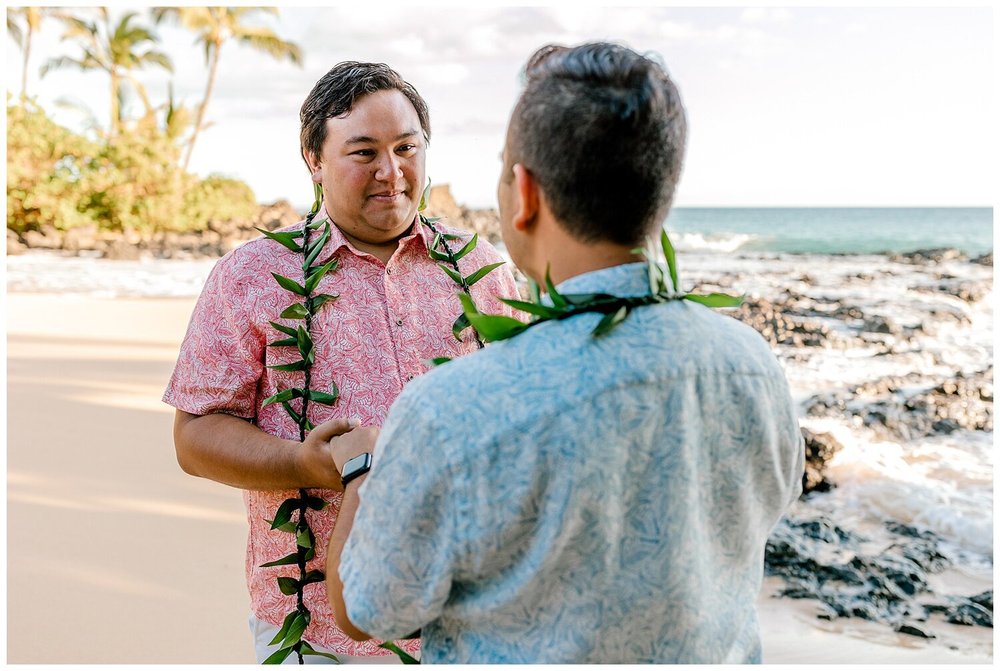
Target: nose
[{"x": 388, "y": 168}]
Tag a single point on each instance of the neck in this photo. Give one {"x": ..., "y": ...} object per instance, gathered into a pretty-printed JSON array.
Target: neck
[
  {"x": 567, "y": 257},
  {"x": 380, "y": 250}
]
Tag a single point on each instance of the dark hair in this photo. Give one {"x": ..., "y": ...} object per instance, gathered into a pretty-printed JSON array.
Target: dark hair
[
  {"x": 602, "y": 130},
  {"x": 336, "y": 92}
]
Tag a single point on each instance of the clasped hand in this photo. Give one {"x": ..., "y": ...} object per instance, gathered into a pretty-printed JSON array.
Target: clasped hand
[{"x": 329, "y": 446}]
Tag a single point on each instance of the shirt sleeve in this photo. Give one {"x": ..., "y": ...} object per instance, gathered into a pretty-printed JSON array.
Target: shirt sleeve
[
  {"x": 404, "y": 547},
  {"x": 221, "y": 358}
]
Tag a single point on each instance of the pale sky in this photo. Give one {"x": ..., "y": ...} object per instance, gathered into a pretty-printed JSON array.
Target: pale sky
[{"x": 806, "y": 106}]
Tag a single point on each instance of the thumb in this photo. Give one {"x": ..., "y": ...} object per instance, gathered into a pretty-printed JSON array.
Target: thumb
[{"x": 334, "y": 427}]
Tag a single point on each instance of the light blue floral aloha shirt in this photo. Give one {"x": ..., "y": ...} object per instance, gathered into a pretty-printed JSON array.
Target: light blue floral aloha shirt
[{"x": 563, "y": 498}]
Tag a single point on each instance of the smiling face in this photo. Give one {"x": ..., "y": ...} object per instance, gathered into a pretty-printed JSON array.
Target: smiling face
[{"x": 372, "y": 168}]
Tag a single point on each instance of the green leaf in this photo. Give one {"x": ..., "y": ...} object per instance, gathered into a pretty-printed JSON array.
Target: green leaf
[
  {"x": 304, "y": 342},
  {"x": 309, "y": 650},
  {"x": 310, "y": 553},
  {"x": 291, "y": 285},
  {"x": 285, "y": 510},
  {"x": 546, "y": 311},
  {"x": 321, "y": 300},
  {"x": 589, "y": 299},
  {"x": 316, "y": 223},
  {"x": 278, "y": 656},
  {"x": 282, "y": 396},
  {"x": 451, "y": 273},
  {"x": 315, "y": 275},
  {"x": 437, "y": 361},
  {"x": 284, "y": 561},
  {"x": 460, "y": 325},
  {"x": 316, "y": 247},
  {"x": 424, "y": 196},
  {"x": 295, "y": 630},
  {"x": 610, "y": 320},
  {"x": 284, "y": 627},
  {"x": 438, "y": 256},
  {"x": 534, "y": 291},
  {"x": 287, "y": 527},
  {"x": 296, "y": 417},
  {"x": 287, "y": 330},
  {"x": 289, "y": 367},
  {"x": 668, "y": 253},
  {"x": 288, "y": 586},
  {"x": 490, "y": 327},
  {"x": 316, "y": 503},
  {"x": 323, "y": 397},
  {"x": 554, "y": 296},
  {"x": 317, "y": 198},
  {"x": 286, "y": 238},
  {"x": 287, "y": 342},
  {"x": 312, "y": 576},
  {"x": 304, "y": 538},
  {"x": 294, "y": 311},
  {"x": 404, "y": 657},
  {"x": 469, "y": 246},
  {"x": 482, "y": 272},
  {"x": 447, "y": 236},
  {"x": 715, "y": 300}
]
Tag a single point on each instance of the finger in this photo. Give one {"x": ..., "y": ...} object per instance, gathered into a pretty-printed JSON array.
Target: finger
[{"x": 334, "y": 427}]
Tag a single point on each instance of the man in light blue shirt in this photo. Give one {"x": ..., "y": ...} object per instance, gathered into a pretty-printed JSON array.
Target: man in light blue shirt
[{"x": 565, "y": 497}]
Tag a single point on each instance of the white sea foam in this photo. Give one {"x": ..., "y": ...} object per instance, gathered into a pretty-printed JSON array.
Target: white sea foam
[
  {"x": 701, "y": 242},
  {"x": 35, "y": 272},
  {"x": 940, "y": 483}
]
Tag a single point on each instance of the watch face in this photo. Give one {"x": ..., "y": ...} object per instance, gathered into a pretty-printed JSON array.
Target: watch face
[{"x": 358, "y": 464}]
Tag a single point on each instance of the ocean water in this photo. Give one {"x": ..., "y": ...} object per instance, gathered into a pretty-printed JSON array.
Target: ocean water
[{"x": 836, "y": 230}]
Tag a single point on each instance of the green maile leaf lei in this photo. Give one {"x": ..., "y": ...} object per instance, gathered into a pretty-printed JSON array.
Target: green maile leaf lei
[{"x": 663, "y": 284}]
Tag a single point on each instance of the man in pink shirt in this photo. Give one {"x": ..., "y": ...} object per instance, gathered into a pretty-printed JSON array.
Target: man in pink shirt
[{"x": 364, "y": 137}]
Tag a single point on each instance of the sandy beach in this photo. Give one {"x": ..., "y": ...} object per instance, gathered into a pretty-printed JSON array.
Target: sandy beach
[{"x": 116, "y": 556}]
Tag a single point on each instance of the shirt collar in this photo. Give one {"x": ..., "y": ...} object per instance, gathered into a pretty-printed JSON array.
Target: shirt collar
[{"x": 628, "y": 279}]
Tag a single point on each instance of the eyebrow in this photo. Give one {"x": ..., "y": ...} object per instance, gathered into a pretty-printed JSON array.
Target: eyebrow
[{"x": 365, "y": 139}]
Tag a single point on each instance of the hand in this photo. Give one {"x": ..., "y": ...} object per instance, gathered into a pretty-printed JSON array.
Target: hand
[
  {"x": 346, "y": 446},
  {"x": 313, "y": 458}
]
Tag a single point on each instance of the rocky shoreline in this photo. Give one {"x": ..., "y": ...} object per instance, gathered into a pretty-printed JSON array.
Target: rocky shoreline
[{"x": 218, "y": 237}]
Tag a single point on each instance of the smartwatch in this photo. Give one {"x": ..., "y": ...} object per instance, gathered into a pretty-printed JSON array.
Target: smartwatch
[{"x": 356, "y": 467}]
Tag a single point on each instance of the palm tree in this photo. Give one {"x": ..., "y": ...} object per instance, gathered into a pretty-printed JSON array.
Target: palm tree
[
  {"x": 32, "y": 17},
  {"x": 117, "y": 50},
  {"x": 214, "y": 26}
]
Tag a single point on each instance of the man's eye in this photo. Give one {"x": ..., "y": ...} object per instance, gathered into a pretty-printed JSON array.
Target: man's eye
[
  {"x": 407, "y": 147},
  {"x": 363, "y": 152}
]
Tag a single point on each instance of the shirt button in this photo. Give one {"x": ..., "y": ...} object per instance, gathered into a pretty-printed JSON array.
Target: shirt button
[
  {"x": 399, "y": 322},
  {"x": 409, "y": 377},
  {"x": 388, "y": 271}
]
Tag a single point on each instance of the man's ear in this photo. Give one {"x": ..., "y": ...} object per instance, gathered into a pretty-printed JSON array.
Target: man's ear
[
  {"x": 315, "y": 166},
  {"x": 527, "y": 191}
]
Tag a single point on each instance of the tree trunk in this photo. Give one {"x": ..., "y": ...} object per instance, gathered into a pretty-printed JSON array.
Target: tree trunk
[
  {"x": 24, "y": 66},
  {"x": 213, "y": 66},
  {"x": 115, "y": 107}
]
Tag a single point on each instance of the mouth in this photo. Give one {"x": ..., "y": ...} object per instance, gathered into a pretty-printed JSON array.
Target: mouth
[{"x": 386, "y": 196}]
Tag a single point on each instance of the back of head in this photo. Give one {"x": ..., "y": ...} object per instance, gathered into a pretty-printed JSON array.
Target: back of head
[
  {"x": 602, "y": 130},
  {"x": 336, "y": 92}
]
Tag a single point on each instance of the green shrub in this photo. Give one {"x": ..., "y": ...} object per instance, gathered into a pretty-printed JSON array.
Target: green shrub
[{"x": 132, "y": 182}]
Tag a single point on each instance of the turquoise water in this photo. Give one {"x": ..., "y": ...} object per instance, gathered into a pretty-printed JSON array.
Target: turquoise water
[{"x": 838, "y": 230}]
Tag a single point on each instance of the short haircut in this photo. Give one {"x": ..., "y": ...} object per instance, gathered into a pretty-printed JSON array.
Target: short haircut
[
  {"x": 336, "y": 92},
  {"x": 602, "y": 130}
]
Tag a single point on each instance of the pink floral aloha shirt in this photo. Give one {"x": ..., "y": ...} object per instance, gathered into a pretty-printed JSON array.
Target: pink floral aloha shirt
[{"x": 388, "y": 320}]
